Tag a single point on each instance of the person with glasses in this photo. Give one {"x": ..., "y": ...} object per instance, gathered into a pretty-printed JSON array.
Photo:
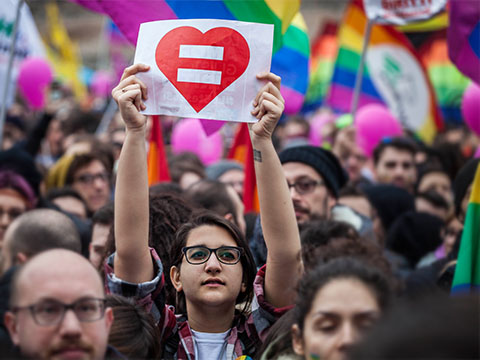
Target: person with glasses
[
  {"x": 90, "y": 176},
  {"x": 212, "y": 271},
  {"x": 57, "y": 309},
  {"x": 314, "y": 176}
]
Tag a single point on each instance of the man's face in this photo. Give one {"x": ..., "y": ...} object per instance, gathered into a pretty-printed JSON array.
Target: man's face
[
  {"x": 317, "y": 201},
  {"x": 12, "y": 205},
  {"x": 235, "y": 179},
  {"x": 69, "y": 338},
  {"x": 92, "y": 182},
  {"x": 396, "y": 167},
  {"x": 97, "y": 245}
]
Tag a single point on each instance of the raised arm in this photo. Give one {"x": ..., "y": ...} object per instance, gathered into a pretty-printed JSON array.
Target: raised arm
[
  {"x": 133, "y": 262},
  {"x": 278, "y": 220}
]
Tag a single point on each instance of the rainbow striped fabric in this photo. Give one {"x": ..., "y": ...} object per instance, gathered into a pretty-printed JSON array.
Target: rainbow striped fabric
[
  {"x": 290, "y": 46},
  {"x": 391, "y": 82},
  {"x": 322, "y": 62},
  {"x": 467, "y": 270},
  {"x": 448, "y": 83}
]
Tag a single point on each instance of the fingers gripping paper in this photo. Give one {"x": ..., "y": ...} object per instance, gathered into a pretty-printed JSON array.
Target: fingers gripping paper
[{"x": 203, "y": 68}]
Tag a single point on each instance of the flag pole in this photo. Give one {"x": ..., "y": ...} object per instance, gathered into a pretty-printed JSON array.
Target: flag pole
[
  {"x": 359, "y": 77},
  {"x": 11, "y": 53}
]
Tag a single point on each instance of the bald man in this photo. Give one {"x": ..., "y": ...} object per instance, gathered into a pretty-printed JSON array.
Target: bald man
[{"x": 57, "y": 309}]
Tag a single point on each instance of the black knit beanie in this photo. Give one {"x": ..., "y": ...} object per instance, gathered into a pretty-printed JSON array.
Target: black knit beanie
[
  {"x": 462, "y": 181},
  {"x": 323, "y": 161},
  {"x": 415, "y": 234},
  {"x": 390, "y": 202}
]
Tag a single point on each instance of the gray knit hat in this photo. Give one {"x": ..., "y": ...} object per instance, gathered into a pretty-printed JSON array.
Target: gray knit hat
[
  {"x": 323, "y": 161},
  {"x": 219, "y": 168}
]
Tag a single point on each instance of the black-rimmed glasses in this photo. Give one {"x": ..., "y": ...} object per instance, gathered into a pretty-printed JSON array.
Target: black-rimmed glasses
[
  {"x": 51, "y": 312},
  {"x": 305, "y": 186},
  {"x": 196, "y": 255}
]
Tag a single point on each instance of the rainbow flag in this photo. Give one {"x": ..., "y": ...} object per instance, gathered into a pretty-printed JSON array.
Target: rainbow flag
[
  {"x": 467, "y": 270},
  {"x": 448, "y": 83},
  {"x": 464, "y": 37},
  {"x": 157, "y": 159},
  {"x": 242, "y": 151},
  {"x": 322, "y": 62},
  {"x": 393, "y": 75},
  {"x": 291, "y": 46}
]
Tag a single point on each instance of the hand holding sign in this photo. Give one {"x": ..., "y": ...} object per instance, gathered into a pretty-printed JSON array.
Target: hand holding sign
[
  {"x": 205, "y": 69},
  {"x": 129, "y": 95}
]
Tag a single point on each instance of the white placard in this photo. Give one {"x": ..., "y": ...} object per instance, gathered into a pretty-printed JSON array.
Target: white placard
[
  {"x": 203, "y": 68},
  {"x": 402, "y": 12}
]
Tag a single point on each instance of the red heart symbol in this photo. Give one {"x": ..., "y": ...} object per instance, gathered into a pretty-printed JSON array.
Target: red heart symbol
[{"x": 199, "y": 65}]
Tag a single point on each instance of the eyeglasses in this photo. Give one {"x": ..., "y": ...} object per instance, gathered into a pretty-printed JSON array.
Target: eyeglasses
[
  {"x": 12, "y": 213},
  {"x": 196, "y": 255},
  {"x": 51, "y": 312},
  {"x": 90, "y": 178},
  {"x": 305, "y": 186}
]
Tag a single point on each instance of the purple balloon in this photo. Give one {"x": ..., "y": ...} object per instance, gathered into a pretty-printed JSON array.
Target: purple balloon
[
  {"x": 34, "y": 77},
  {"x": 188, "y": 135},
  {"x": 373, "y": 123},
  {"x": 471, "y": 107}
]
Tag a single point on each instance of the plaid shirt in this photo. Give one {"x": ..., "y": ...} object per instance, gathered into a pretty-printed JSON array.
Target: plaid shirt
[{"x": 244, "y": 337}]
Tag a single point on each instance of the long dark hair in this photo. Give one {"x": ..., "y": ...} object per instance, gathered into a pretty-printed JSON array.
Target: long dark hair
[{"x": 248, "y": 265}]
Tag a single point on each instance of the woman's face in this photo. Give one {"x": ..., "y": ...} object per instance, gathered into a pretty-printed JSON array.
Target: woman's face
[
  {"x": 212, "y": 283},
  {"x": 341, "y": 311}
]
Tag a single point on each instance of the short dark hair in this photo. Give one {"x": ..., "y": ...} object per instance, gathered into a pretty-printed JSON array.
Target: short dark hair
[
  {"x": 185, "y": 162},
  {"x": 398, "y": 143},
  {"x": 133, "y": 333},
  {"x": 82, "y": 160},
  {"x": 341, "y": 268},
  {"x": 211, "y": 195},
  {"x": 43, "y": 229},
  {"x": 104, "y": 215},
  {"x": 206, "y": 218},
  {"x": 65, "y": 191}
]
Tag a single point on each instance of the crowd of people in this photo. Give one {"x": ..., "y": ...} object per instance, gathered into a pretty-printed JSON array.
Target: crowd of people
[{"x": 350, "y": 257}]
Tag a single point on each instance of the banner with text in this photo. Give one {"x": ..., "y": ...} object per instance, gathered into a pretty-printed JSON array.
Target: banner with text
[{"x": 401, "y": 12}]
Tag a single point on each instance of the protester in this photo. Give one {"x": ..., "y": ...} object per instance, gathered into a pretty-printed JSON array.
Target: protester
[
  {"x": 102, "y": 221},
  {"x": 68, "y": 200},
  {"x": 336, "y": 304},
  {"x": 315, "y": 178},
  {"x": 186, "y": 169},
  {"x": 64, "y": 314},
  {"x": 210, "y": 286},
  {"x": 229, "y": 172},
  {"x": 219, "y": 198},
  {"x": 394, "y": 161},
  {"x": 16, "y": 197},
  {"x": 90, "y": 175}
]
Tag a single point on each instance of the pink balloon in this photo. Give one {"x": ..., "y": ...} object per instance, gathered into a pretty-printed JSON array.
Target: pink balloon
[
  {"x": 471, "y": 107},
  {"x": 102, "y": 84},
  {"x": 316, "y": 125},
  {"x": 34, "y": 77},
  {"x": 373, "y": 123},
  {"x": 188, "y": 135}
]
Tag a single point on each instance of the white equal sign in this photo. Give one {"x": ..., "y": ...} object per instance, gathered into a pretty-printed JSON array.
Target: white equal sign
[{"x": 197, "y": 75}]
